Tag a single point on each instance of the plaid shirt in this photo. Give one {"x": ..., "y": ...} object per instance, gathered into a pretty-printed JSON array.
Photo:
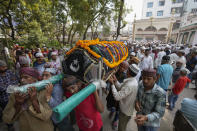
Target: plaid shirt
[
  {"x": 5, "y": 80},
  {"x": 153, "y": 104}
]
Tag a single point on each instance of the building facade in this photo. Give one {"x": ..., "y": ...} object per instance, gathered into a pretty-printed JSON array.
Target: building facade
[
  {"x": 188, "y": 27},
  {"x": 157, "y": 18}
]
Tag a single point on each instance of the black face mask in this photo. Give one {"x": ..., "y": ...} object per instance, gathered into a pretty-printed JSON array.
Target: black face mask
[{"x": 3, "y": 71}]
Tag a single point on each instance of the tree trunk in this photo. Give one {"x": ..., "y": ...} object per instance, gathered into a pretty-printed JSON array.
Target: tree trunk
[
  {"x": 63, "y": 33},
  {"x": 120, "y": 18},
  {"x": 85, "y": 32},
  {"x": 73, "y": 37},
  {"x": 92, "y": 35},
  {"x": 69, "y": 34},
  {"x": 10, "y": 21}
]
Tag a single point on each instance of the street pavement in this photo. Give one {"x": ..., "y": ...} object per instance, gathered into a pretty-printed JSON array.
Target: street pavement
[{"x": 166, "y": 122}]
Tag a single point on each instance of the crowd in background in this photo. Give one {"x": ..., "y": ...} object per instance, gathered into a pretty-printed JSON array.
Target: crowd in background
[{"x": 149, "y": 81}]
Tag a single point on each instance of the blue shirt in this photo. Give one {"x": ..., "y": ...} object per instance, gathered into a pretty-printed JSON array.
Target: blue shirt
[
  {"x": 56, "y": 98},
  {"x": 165, "y": 71},
  {"x": 153, "y": 104},
  {"x": 39, "y": 67},
  {"x": 189, "y": 109}
]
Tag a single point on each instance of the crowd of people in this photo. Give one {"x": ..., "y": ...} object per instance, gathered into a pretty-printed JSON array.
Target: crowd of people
[{"x": 149, "y": 81}]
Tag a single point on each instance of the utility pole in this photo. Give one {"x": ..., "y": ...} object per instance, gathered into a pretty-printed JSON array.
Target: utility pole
[
  {"x": 172, "y": 20},
  {"x": 133, "y": 34}
]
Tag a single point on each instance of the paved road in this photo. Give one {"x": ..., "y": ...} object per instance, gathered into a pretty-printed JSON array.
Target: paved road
[{"x": 166, "y": 123}]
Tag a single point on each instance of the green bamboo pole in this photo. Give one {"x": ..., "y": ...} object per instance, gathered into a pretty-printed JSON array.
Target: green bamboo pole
[
  {"x": 62, "y": 110},
  {"x": 39, "y": 85}
]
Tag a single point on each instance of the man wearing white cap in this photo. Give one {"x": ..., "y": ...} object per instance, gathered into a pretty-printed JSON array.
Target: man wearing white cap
[
  {"x": 55, "y": 62},
  {"x": 160, "y": 55},
  {"x": 181, "y": 55},
  {"x": 140, "y": 53},
  {"x": 126, "y": 94},
  {"x": 39, "y": 63},
  {"x": 147, "y": 61}
]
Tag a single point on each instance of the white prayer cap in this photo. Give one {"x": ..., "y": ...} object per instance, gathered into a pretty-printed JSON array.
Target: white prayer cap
[
  {"x": 53, "y": 53},
  {"x": 134, "y": 68},
  {"x": 185, "y": 70},
  {"x": 53, "y": 71},
  {"x": 180, "y": 60},
  {"x": 39, "y": 55},
  {"x": 143, "y": 48},
  {"x": 168, "y": 46},
  {"x": 132, "y": 53},
  {"x": 158, "y": 48}
]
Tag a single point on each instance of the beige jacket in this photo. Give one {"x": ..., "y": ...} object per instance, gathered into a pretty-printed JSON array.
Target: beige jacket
[
  {"x": 126, "y": 94},
  {"x": 28, "y": 119}
]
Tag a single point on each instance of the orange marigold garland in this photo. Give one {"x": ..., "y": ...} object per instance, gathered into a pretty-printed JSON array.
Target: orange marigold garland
[{"x": 86, "y": 43}]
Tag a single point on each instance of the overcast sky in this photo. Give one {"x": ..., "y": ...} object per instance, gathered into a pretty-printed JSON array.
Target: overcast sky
[{"x": 136, "y": 5}]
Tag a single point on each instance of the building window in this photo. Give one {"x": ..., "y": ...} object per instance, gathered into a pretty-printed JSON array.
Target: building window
[
  {"x": 150, "y": 5},
  {"x": 177, "y": 10},
  {"x": 194, "y": 10},
  {"x": 195, "y": 0},
  {"x": 161, "y": 3},
  {"x": 177, "y": 1},
  {"x": 148, "y": 14},
  {"x": 160, "y": 13}
]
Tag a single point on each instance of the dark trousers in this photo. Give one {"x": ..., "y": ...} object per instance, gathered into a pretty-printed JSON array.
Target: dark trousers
[
  {"x": 2, "y": 106},
  {"x": 64, "y": 125},
  {"x": 147, "y": 128},
  {"x": 100, "y": 129}
]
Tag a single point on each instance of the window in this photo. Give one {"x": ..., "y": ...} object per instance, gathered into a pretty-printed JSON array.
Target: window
[
  {"x": 150, "y": 5},
  {"x": 160, "y": 13},
  {"x": 148, "y": 14},
  {"x": 177, "y": 10},
  {"x": 194, "y": 10},
  {"x": 161, "y": 3},
  {"x": 177, "y": 1},
  {"x": 195, "y": 0}
]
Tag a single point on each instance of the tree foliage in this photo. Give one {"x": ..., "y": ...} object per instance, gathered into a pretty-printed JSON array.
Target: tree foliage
[{"x": 38, "y": 22}]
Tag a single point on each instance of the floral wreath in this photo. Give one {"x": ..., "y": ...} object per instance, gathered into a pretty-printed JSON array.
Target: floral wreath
[{"x": 115, "y": 44}]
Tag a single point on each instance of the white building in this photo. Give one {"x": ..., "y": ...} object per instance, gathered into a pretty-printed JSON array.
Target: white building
[
  {"x": 188, "y": 27},
  {"x": 156, "y": 19},
  {"x": 161, "y": 8}
]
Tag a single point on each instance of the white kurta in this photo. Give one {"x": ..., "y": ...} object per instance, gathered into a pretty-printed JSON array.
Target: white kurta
[
  {"x": 159, "y": 57},
  {"x": 183, "y": 59},
  {"x": 126, "y": 95},
  {"x": 140, "y": 55},
  {"x": 146, "y": 63}
]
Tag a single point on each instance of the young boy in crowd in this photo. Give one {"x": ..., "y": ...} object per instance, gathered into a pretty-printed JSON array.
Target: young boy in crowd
[
  {"x": 88, "y": 111},
  {"x": 178, "y": 88},
  {"x": 176, "y": 72}
]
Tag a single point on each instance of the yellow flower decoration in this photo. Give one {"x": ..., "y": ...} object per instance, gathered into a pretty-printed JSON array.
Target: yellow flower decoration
[{"x": 86, "y": 43}]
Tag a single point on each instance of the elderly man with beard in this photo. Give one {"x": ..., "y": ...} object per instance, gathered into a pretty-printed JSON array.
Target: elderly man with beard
[{"x": 30, "y": 109}]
